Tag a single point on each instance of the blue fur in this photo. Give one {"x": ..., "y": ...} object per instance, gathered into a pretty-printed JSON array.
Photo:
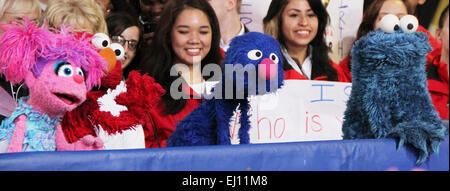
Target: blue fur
[
  {"x": 389, "y": 96},
  {"x": 209, "y": 123}
]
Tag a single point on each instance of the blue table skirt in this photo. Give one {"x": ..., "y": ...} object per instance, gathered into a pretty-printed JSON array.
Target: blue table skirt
[{"x": 345, "y": 155}]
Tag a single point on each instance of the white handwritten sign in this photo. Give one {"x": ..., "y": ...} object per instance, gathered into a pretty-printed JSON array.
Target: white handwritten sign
[
  {"x": 301, "y": 110},
  {"x": 253, "y": 12},
  {"x": 345, "y": 17}
]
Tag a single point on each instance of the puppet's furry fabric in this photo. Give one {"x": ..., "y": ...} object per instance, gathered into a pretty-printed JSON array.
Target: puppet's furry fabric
[
  {"x": 389, "y": 96},
  {"x": 253, "y": 66},
  {"x": 117, "y": 113}
]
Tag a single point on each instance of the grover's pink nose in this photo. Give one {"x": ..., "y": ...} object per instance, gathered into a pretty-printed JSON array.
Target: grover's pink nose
[
  {"x": 267, "y": 69},
  {"x": 78, "y": 78}
]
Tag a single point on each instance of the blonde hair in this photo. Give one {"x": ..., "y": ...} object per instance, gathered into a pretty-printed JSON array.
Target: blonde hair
[
  {"x": 76, "y": 13},
  {"x": 19, "y": 6}
]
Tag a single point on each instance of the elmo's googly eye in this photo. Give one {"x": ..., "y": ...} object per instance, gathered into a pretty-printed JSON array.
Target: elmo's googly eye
[
  {"x": 254, "y": 54},
  {"x": 390, "y": 23},
  {"x": 101, "y": 41},
  {"x": 409, "y": 24},
  {"x": 118, "y": 50}
]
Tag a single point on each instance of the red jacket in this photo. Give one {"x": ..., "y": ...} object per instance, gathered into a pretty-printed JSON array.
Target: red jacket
[
  {"x": 165, "y": 124},
  {"x": 437, "y": 78},
  {"x": 345, "y": 67},
  {"x": 291, "y": 74},
  {"x": 435, "y": 44}
]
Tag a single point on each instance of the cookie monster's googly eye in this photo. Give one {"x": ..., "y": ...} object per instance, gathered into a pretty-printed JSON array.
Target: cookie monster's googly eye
[
  {"x": 409, "y": 24},
  {"x": 390, "y": 23},
  {"x": 254, "y": 54},
  {"x": 101, "y": 41},
  {"x": 274, "y": 58},
  {"x": 118, "y": 50}
]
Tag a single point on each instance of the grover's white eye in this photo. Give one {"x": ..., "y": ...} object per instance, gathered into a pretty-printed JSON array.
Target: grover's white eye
[
  {"x": 389, "y": 23},
  {"x": 274, "y": 58},
  {"x": 118, "y": 50},
  {"x": 409, "y": 23},
  {"x": 254, "y": 54},
  {"x": 101, "y": 41}
]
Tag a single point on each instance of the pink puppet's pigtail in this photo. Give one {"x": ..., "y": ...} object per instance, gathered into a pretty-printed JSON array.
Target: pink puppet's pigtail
[{"x": 20, "y": 45}]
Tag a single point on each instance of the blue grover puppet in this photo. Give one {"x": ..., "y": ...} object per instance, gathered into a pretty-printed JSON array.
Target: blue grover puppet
[
  {"x": 389, "y": 96},
  {"x": 252, "y": 67}
]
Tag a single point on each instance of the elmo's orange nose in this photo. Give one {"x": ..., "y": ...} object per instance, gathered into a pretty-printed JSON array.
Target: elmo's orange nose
[{"x": 110, "y": 57}]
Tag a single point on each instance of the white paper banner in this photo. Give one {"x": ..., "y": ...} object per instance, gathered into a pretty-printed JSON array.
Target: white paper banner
[
  {"x": 346, "y": 16},
  {"x": 301, "y": 110},
  {"x": 253, "y": 12}
]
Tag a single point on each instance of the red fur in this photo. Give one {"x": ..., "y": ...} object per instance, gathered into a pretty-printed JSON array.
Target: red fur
[
  {"x": 113, "y": 78},
  {"x": 142, "y": 94}
]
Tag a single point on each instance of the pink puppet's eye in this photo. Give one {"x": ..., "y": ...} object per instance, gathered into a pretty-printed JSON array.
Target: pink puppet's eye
[
  {"x": 63, "y": 68},
  {"x": 80, "y": 72}
]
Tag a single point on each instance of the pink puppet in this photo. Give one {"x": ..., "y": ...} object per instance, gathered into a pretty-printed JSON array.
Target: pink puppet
[{"x": 58, "y": 69}]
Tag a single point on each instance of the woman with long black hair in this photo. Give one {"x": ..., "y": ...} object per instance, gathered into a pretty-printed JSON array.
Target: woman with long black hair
[
  {"x": 187, "y": 36},
  {"x": 299, "y": 26}
]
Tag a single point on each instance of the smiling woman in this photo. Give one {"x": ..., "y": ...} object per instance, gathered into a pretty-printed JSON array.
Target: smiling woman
[
  {"x": 299, "y": 26},
  {"x": 191, "y": 37},
  {"x": 187, "y": 35}
]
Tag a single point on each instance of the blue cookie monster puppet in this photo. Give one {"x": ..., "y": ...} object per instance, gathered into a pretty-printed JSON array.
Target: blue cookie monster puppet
[
  {"x": 252, "y": 67},
  {"x": 389, "y": 96}
]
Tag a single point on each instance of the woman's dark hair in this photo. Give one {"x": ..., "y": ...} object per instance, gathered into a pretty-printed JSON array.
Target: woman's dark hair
[
  {"x": 320, "y": 60},
  {"x": 442, "y": 17},
  {"x": 161, "y": 57},
  {"x": 136, "y": 5},
  {"x": 117, "y": 22},
  {"x": 369, "y": 18},
  {"x": 124, "y": 6}
]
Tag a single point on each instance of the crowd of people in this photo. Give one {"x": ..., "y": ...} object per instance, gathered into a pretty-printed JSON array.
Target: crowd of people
[{"x": 157, "y": 34}]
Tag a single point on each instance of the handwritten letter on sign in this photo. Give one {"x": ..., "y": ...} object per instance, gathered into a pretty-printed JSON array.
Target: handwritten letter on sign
[
  {"x": 252, "y": 13},
  {"x": 301, "y": 110},
  {"x": 345, "y": 17}
]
